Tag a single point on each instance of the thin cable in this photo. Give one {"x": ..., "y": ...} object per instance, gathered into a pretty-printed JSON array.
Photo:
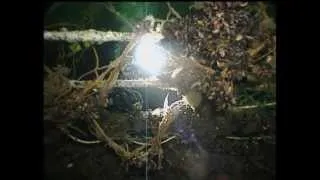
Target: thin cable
[
  {"x": 146, "y": 130},
  {"x": 147, "y": 107}
]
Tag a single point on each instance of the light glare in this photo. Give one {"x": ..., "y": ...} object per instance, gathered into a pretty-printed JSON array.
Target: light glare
[{"x": 149, "y": 56}]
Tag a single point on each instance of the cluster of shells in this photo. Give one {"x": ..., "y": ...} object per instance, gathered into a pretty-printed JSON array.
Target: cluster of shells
[{"x": 232, "y": 38}]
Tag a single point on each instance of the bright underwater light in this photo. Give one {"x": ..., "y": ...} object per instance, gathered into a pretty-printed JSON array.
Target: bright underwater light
[{"x": 149, "y": 56}]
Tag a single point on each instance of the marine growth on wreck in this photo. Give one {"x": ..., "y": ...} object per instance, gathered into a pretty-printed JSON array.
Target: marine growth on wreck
[{"x": 188, "y": 86}]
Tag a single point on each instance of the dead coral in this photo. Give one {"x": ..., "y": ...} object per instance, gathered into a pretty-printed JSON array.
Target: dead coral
[{"x": 235, "y": 39}]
